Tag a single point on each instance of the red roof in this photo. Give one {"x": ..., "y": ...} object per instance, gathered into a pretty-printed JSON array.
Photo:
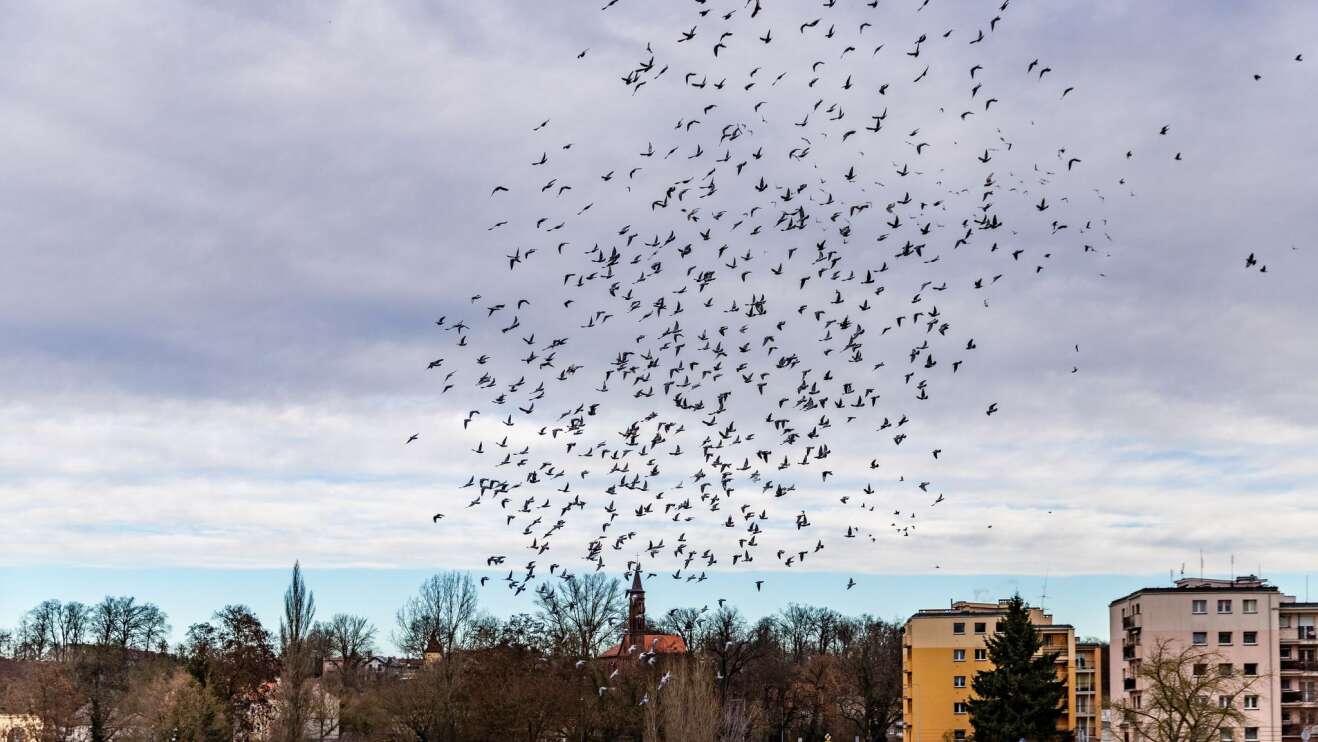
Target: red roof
[{"x": 654, "y": 643}]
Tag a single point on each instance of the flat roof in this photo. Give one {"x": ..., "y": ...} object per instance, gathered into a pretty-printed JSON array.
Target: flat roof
[{"x": 1201, "y": 589}]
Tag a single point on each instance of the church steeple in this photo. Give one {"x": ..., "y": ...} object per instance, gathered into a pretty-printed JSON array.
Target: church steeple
[{"x": 636, "y": 606}]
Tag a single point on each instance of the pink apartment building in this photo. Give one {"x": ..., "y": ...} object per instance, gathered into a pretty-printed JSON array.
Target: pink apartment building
[{"x": 1252, "y": 627}]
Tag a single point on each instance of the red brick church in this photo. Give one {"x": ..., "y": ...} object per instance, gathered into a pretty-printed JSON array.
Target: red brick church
[{"x": 636, "y": 639}]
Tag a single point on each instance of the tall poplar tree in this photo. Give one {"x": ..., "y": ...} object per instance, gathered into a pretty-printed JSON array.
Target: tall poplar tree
[{"x": 1020, "y": 698}]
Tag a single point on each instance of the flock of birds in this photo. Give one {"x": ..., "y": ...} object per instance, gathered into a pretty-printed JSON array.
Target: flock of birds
[{"x": 687, "y": 384}]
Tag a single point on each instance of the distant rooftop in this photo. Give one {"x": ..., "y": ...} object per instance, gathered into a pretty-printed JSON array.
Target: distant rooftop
[
  {"x": 1244, "y": 583},
  {"x": 966, "y": 608}
]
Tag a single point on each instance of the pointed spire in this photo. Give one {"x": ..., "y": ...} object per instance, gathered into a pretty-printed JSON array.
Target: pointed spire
[{"x": 636, "y": 579}]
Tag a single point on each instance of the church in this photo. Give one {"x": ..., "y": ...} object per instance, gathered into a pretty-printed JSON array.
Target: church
[{"x": 636, "y": 639}]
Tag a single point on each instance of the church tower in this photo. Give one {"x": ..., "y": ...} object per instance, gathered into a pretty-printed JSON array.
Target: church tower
[
  {"x": 636, "y": 607},
  {"x": 432, "y": 654}
]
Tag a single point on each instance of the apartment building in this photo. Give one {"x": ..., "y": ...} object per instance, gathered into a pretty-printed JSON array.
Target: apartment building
[
  {"x": 1240, "y": 620},
  {"x": 943, "y": 649},
  {"x": 1091, "y": 689},
  {"x": 1297, "y": 661}
]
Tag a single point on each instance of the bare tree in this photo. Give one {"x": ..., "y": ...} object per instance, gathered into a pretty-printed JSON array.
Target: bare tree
[
  {"x": 796, "y": 627},
  {"x": 871, "y": 666},
  {"x": 125, "y": 623},
  {"x": 582, "y": 611},
  {"x": 350, "y": 640},
  {"x": 445, "y": 609},
  {"x": 52, "y": 628},
  {"x": 299, "y": 611},
  {"x": 70, "y": 626},
  {"x": 1181, "y": 691},
  {"x": 732, "y": 645},
  {"x": 688, "y": 705},
  {"x": 294, "y": 699},
  {"x": 37, "y": 630},
  {"x": 688, "y": 623}
]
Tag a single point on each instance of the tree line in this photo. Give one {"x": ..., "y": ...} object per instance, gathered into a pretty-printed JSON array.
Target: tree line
[{"x": 106, "y": 673}]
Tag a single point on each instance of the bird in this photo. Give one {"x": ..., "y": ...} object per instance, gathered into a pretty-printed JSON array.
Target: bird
[
  {"x": 741, "y": 323},
  {"x": 413, "y": 437}
]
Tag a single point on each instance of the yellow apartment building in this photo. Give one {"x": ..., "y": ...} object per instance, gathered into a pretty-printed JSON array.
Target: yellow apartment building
[
  {"x": 942, "y": 651},
  {"x": 1090, "y": 690}
]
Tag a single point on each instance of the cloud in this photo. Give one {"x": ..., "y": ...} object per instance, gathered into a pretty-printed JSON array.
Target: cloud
[{"x": 230, "y": 230}]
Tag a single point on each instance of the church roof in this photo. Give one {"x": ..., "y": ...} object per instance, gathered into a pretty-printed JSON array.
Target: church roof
[{"x": 655, "y": 643}]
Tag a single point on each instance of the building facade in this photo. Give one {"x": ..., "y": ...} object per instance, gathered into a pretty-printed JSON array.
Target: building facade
[
  {"x": 1091, "y": 689},
  {"x": 1297, "y": 663},
  {"x": 1248, "y": 626},
  {"x": 943, "y": 650}
]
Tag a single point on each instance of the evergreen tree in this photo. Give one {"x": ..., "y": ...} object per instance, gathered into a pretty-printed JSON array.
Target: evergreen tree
[{"x": 1020, "y": 697}]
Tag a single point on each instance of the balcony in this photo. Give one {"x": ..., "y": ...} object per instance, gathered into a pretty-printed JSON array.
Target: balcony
[
  {"x": 1130, "y": 622},
  {"x": 1128, "y": 684},
  {"x": 1128, "y": 652},
  {"x": 1298, "y": 696},
  {"x": 1299, "y": 666},
  {"x": 1291, "y": 730},
  {"x": 1302, "y": 634}
]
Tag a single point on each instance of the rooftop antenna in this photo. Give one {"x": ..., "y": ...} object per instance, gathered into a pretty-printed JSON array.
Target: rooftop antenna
[
  {"x": 1233, "y": 567},
  {"x": 1201, "y": 563},
  {"x": 1043, "y": 597}
]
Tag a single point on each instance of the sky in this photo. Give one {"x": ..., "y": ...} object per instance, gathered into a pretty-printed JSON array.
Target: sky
[{"x": 229, "y": 228}]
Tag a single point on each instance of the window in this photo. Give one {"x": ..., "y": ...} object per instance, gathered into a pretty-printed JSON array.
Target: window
[
  {"x": 1284, "y": 621},
  {"x": 959, "y": 735},
  {"x": 1227, "y": 735},
  {"x": 1223, "y": 606},
  {"x": 1200, "y": 637},
  {"x": 1225, "y": 669},
  {"x": 981, "y": 655},
  {"x": 1224, "y": 637},
  {"x": 1224, "y": 702},
  {"x": 1251, "y": 668},
  {"x": 1285, "y": 652},
  {"x": 1199, "y": 606},
  {"x": 1251, "y": 702},
  {"x": 1249, "y": 606},
  {"x": 1250, "y": 637},
  {"x": 1203, "y": 699},
  {"x": 1251, "y": 734},
  {"x": 981, "y": 627},
  {"x": 958, "y": 655},
  {"x": 958, "y": 681},
  {"x": 959, "y": 708},
  {"x": 1200, "y": 670},
  {"x": 1285, "y": 683},
  {"x": 959, "y": 627}
]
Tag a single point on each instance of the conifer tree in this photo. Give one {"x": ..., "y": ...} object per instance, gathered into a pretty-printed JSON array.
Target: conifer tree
[{"x": 1020, "y": 697}]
